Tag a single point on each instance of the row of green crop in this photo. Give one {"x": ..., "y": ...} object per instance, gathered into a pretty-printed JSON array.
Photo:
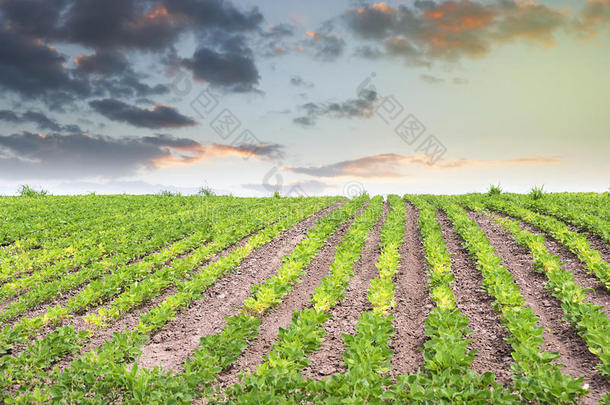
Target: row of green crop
[
  {"x": 216, "y": 352},
  {"x": 446, "y": 376},
  {"x": 103, "y": 374},
  {"x": 164, "y": 231},
  {"x": 30, "y": 218},
  {"x": 113, "y": 240},
  {"x": 367, "y": 353},
  {"x": 575, "y": 242},
  {"x": 92, "y": 240},
  {"x": 590, "y": 320},
  {"x": 56, "y": 218},
  {"x": 595, "y": 204},
  {"x": 233, "y": 226},
  {"x": 111, "y": 374},
  {"x": 280, "y": 373},
  {"x": 181, "y": 268},
  {"x": 536, "y": 378},
  {"x": 566, "y": 211}
]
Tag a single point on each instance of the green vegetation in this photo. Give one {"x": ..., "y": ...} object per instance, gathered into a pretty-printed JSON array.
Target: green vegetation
[
  {"x": 27, "y": 191},
  {"x": 494, "y": 190},
  {"x": 72, "y": 267},
  {"x": 537, "y": 193}
]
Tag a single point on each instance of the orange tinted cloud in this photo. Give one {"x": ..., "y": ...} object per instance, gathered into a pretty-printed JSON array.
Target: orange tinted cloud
[
  {"x": 460, "y": 16},
  {"x": 157, "y": 12},
  {"x": 460, "y": 28},
  {"x": 391, "y": 165},
  {"x": 193, "y": 153}
]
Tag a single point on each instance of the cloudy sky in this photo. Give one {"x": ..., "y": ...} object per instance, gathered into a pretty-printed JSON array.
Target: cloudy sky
[{"x": 314, "y": 97}]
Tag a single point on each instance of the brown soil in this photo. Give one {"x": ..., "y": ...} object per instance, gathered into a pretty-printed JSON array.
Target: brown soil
[
  {"x": 488, "y": 337},
  {"x": 344, "y": 316},
  {"x": 413, "y": 303},
  {"x": 296, "y": 300},
  {"x": 559, "y": 335},
  {"x": 180, "y": 338}
]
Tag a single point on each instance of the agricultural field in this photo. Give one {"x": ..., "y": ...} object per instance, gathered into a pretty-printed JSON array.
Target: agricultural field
[{"x": 480, "y": 298}]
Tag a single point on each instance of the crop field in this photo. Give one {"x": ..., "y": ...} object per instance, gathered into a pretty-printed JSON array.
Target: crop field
[{"x": 478, "y": 298}]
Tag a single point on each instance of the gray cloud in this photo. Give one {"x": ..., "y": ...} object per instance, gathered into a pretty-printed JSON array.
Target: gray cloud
[
  {"x": 326, "y": 47},
  {"x": 273, "y": 41},
  {"x": 28, "y": 155},
  {"x": 299, "y": 82},
  {"x": 384, "y": 165},
  {"x": 103, "y": 62},
  {"x": 36, "y": 70},
  {"x": 38, "y": 118},
  {"x": 159, "y": 116},
  {"x": 53, "y": 156},
  {"x": 123, "y": 24},
  {"x": 228, "y": 63},
  {"x": 361, "y": 107}
]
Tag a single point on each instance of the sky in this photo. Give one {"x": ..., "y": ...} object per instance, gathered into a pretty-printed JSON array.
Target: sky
[{"x": 305, "y": 98}]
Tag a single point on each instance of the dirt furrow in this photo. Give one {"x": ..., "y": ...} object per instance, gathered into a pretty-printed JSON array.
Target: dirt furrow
[
  {"x": 344, "y": 316},
  {"x": 280, "y": 317},
  {"x": 180, "y": 338},
  {"x": 559, "y": 335},
  {"x": 413, "y": 303},
  {"x": 488, "y": 337}
]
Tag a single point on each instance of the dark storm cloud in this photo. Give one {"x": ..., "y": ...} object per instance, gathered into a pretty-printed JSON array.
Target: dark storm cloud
[
  {"x": 42, "y": 121},
  {"x": 31, "y": 68},
  {"x": 361, "y": 107},
  {"x": 214, "y": 13},
  {"x": 228, "y": 63},
  {"x": 28, "y": 155},
  {"x": 114, "y": 76},
  {"x": 124, "y": 24},
  {"x": 53, "y": 156},
  {"x": 103, "y": 62},
  {"x": 451, "y": 30},
  {"x": 35, "y": 70},
  {"x": 159, "y": 116},
  {"x": 38, "y": 18}
]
